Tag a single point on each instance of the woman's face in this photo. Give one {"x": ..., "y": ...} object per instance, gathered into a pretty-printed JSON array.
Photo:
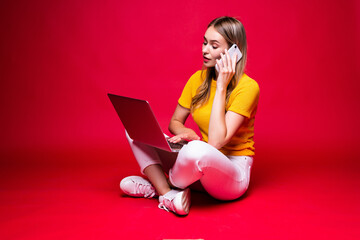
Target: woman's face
[{"x": 213, "y": 45}]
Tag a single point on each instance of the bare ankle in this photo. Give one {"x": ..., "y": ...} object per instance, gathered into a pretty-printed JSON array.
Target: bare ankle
[{"x": 163, "y": 191}]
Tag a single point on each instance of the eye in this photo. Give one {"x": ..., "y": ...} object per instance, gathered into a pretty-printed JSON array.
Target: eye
[
  {"x": 204, "y": 43},
  {"x": 215, "y": 47}
]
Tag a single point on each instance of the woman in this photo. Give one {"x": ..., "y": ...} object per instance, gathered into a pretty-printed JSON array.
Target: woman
[{"x": 223, "y": 104}]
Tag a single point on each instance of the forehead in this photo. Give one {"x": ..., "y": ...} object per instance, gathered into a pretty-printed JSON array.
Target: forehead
[{"x": 212, "y": 35}]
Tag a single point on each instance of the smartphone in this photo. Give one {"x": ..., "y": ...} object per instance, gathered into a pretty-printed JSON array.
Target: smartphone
[{"x": 232, "y": 50}]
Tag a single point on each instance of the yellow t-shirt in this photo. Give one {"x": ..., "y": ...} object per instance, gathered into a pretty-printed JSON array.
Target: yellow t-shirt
[{"x": 243, "y": 100}]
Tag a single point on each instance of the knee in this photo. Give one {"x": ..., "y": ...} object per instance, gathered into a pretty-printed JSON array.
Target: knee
[{"x": 193, "y": 152}]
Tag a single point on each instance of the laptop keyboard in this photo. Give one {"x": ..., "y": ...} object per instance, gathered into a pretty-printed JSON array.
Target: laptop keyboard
[{"x": 176, "y": 146}]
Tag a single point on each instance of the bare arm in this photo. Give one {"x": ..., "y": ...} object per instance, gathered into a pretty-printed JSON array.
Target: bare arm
[
  {"x": 223, "y": 126},
  {"x": 178, "y": 128}
]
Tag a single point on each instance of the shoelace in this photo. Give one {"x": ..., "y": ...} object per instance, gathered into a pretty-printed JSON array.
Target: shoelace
[
  {"x": 147, "y": 190},
  {"x": 167, "y": 204}
]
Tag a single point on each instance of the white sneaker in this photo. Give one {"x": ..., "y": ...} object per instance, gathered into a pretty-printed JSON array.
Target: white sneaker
[
  {"x": 176, "y": 201},
  {"x": 136, "y": 186}
]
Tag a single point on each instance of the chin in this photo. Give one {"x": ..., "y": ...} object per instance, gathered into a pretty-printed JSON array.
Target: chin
[{"x": 209, "y": 65}]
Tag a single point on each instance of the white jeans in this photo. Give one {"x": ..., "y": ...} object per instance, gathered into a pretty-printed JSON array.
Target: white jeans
[{"x": 223, "y": 177}]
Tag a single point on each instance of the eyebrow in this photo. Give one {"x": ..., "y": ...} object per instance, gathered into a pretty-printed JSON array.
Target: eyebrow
[{"x": 212, "y": 41}]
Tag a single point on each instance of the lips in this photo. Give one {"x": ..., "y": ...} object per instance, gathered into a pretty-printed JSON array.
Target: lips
[{"x": 206, "y": 59}]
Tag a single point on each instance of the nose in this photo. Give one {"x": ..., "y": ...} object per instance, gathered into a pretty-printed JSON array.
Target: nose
[{"x": 205, "y": 49}]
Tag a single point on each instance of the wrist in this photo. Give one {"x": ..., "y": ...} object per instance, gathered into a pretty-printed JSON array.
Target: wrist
[{"x": 220, "y": 89}]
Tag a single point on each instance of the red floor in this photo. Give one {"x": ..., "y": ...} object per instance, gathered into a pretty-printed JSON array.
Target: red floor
[{"x": 75, "y": 195}]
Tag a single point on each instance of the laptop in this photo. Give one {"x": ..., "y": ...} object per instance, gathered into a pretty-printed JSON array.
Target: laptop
[{"x": 140, "y": 122}]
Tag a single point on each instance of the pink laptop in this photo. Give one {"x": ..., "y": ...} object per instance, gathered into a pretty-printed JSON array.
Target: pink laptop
[{"x": 140, "y": 122}]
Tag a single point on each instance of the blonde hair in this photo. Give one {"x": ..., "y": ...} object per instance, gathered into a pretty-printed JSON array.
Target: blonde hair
[{"x": 232, "y": 31}]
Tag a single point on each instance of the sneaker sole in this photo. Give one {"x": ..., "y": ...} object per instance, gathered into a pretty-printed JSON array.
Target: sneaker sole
[{"x": 185, "y": 203}]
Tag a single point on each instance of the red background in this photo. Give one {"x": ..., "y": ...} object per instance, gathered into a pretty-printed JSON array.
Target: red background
[{"x": 60, "y": 58}]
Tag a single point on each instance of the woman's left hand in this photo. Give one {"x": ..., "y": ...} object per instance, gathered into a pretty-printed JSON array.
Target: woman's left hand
[{"x": 226, "y": 69}]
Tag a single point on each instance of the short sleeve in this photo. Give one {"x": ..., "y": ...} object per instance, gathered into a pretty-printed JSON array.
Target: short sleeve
[
  {"x": 245, "y": 99},
  {"x": 189, "y": 90}
]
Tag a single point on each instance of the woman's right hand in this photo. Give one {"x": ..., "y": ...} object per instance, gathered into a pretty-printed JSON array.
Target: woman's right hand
[
  {"x": 188, "y": 136},
  {"x": 177, "y": 127}
]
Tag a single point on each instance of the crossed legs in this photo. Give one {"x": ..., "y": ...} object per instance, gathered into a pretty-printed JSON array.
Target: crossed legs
[{"x": 223, "y": 177}]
